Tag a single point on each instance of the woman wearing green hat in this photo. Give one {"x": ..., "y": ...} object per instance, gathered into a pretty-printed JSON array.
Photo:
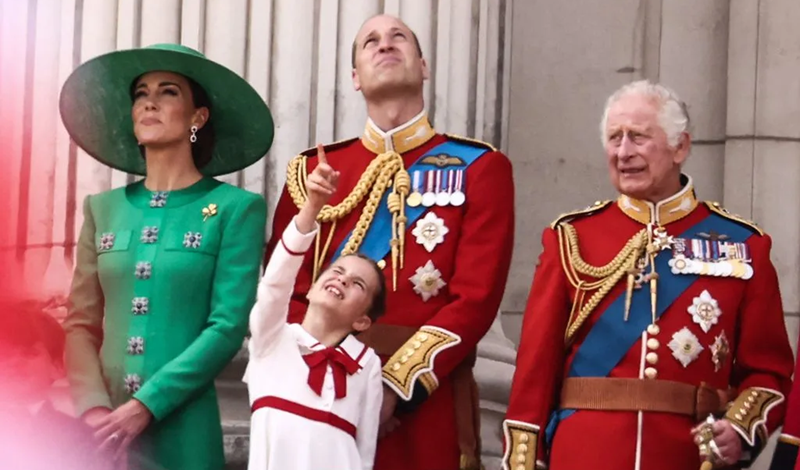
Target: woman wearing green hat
[{"x": 167, "y": 268}]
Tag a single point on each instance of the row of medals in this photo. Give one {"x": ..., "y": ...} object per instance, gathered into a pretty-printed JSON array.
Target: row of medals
[
  {"x": 442, "y": 188},
  {"x": 714, "y": 258}
]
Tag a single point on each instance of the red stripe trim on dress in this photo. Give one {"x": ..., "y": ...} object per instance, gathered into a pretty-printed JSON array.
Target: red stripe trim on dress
[
  {"x": 363, "y": 351},
  {"x": 306, "y": 412},
  {"x": 293, "y": 253}
]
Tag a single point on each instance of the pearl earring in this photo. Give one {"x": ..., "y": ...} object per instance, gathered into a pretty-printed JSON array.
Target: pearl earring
[{"x": 193, "y": 137}]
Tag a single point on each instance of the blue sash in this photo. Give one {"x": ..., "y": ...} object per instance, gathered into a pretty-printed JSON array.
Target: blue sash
[
  {"x": 376, "y": 242},
  {"x": 611, "y": 337}
]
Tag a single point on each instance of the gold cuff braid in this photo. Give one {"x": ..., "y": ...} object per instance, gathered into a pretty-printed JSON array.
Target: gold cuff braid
[
  {"x": 748, "y": 413},
  {"x": 414, "y": 361},
  {"x": 521, "y": 440}
]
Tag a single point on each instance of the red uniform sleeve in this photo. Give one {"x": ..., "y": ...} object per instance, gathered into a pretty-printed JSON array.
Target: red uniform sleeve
[
  {"x": 540, "y": 359},
  {"x": 480, "y": 272},
  {"x": 763, "y": 361}
]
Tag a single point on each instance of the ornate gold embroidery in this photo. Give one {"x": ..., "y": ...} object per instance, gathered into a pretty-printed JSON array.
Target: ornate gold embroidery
[
  {"x": 403, "y": 139},
  {"x": 414, "y": 360},
  {"x": 521, "y": 440},
  {"x": 749, "y": 411}
]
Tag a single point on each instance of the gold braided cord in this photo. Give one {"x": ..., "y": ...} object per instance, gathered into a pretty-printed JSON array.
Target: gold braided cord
[
  {"x": 592, "y": 303},
  {"x": 376, "y": 179},
  {"x": 320, "y": 256},
  {"x": 303, "y": 178},
  {"x": 295, "y": 183},
  {"x": 383, "y": 181},
  {"x": 393, "y": 201},
  {"x": 402, "y": 186},
  {"x": 636, "y": 244},
  {"x": 607, "y": 276}
]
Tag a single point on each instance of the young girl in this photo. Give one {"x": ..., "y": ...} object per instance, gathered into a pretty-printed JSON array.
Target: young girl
[{"x": 315, "y": 390}]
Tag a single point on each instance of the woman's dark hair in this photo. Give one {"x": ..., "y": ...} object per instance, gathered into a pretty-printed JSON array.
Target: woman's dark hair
[{"x": 203, "y": 148}]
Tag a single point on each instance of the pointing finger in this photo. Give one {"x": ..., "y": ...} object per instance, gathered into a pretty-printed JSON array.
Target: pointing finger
[{"x": 323, "y": 159}]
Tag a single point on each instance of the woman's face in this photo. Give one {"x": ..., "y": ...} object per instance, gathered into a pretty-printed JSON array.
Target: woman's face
[{"x": 163, "y": 110}]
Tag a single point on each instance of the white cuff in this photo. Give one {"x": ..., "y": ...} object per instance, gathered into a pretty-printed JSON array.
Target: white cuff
[{"x": 297, "y": 243}]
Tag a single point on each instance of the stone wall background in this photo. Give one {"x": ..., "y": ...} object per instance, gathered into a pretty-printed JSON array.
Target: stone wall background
[{"x": 529, "y": 76}]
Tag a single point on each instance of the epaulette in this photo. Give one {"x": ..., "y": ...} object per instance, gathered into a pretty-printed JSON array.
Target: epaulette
[
  {"x": 474, "y": 142},
  {"x": 312, "y": 152},
  {"x": 717, "y": 208},
  {"x": 599, "y": 205}
]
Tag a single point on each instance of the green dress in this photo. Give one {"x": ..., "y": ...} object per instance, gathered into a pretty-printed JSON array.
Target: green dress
[{"x": 162, "y": 291}]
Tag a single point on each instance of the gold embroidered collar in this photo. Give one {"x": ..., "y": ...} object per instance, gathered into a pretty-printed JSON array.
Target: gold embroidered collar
[
  {"x": 401, "y": 139},
  {"x": 667, "y": 211}
]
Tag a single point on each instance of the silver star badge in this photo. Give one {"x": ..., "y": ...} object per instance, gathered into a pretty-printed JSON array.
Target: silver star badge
[
  {"x": 427, "y": 281},
  {"x": 705, "y": 311},
  {"x": 430, "y": 231}
]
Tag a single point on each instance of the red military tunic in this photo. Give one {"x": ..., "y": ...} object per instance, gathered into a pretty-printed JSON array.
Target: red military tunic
[
  {"x": 785, "y": 457},
  {"x": 445, "y": 299},
  {"x": 720, "y": 330}
]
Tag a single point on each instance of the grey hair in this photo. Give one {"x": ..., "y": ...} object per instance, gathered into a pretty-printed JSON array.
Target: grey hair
[{"x": 673, "y": 115}]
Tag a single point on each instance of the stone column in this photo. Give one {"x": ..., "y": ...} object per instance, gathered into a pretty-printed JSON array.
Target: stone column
[
  {"x": 41, "y": 196},
  {"x": 494, "y": 370},
  {"x": 762, "y": 149},
  {"x": 258, "y": 68},
  {"x": 226, "y": 43},
  {"x": 700, "y": 79},
  {"x": 351, "y": 113},
  {"x": 14, "y": 24}
]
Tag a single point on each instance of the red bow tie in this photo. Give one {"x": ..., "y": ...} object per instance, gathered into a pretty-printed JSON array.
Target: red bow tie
[{"x": 341, "y": 364}]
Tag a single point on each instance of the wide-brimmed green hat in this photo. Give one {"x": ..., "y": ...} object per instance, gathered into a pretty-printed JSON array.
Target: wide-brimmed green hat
[{"x": 95, "y": 105}]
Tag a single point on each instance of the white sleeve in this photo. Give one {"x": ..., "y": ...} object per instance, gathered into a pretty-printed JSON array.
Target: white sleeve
[
  {"x": 369, "y": 420},
  {"x": 268, "y": 315}
]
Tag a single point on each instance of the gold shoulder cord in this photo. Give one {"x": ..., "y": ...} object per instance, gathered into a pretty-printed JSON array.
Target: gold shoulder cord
[
  {"x": 627, "y": 262},
  {"x": 385, "y": 169}
]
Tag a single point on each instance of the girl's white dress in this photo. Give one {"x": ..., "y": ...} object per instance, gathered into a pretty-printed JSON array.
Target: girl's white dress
[{"x": 302, "y": 438}]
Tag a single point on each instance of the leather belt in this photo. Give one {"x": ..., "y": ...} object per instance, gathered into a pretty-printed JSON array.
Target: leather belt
[{"x": 622, "y": 394}]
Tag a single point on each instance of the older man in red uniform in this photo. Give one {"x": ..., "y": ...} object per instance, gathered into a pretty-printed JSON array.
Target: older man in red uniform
[
  {"x": 436, "y": 212},
  {"x": 648, "y": 317}
]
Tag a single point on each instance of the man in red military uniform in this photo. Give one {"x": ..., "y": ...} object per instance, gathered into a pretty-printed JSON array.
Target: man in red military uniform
[
  {"x": 436, "y": 213},
  {"x": 785, "y": 456},
  {"x": 648, "y": 316}
]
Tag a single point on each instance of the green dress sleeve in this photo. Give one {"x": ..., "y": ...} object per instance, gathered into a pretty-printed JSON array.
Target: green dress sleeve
[
  {"x": 84, "y": 323},
  {"x": 235, "y": 281}
]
